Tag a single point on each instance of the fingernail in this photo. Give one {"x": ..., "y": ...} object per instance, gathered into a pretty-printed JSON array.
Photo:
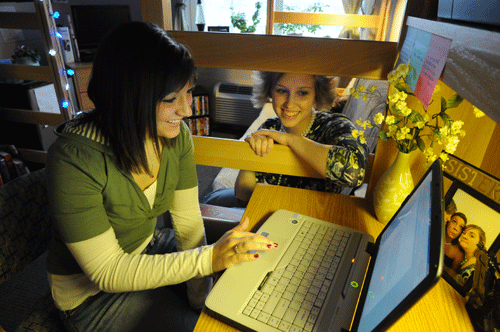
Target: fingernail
[
  {"x": 275, "y": 245},
  {"x": 269, "y": 246},
  {"x": 256, "y": 255}
]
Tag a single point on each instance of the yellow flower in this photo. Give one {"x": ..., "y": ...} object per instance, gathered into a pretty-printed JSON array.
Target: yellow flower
[
  {"x": 400, "y": 136},
  {"x": 444, "y": 131},
  {"x": 378, "y": 118},
  {"x": 477, "y": 112},
  {"x": 361, "y": 88},
  {"x": 392, "y": 78},
  {"x": 390, "y": 119},
  {"x": 403, "y": 69},
  {"x": 356, "y": 94},
  {"x": 406, "y": 111},
  {"x": 443, "y": 156},
  {"x": 365, "y": 97},
  {"x": 362, "y": 140},
  {"x": 400, "y": 105},
  {"x": 352, "y": 91},
  {"x": 356, "y": 133},
  {"x": 431, "y": 158},
  {"x": 402, "y": 95},
  {"x": 392, "y": 130},
  {"x": 373, "y": 88},
  {"x": 359, "y": 122},
  {"x": 393, "y": 98},
  {"x": 456, "y": 126},
  {"x": 420, "y": 124}
]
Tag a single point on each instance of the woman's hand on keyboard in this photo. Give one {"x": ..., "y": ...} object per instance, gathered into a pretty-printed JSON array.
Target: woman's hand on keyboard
[{"x": 238, "y": 245}]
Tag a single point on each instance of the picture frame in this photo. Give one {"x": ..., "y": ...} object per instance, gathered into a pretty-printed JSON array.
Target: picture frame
[{"x": 476, "y": 194}]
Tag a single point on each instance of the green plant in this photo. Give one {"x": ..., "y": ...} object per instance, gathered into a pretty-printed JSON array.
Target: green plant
[
  {"x": 289, "y": 28},
  {"x": 239, "y": 20},
  {"x": 23, "y": 52}
]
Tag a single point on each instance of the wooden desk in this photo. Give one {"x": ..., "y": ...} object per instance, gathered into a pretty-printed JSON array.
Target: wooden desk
[{"x": 441, "y": 309}]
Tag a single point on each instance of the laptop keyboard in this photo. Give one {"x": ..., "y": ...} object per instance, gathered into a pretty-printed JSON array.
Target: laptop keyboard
[{"x": 291, "y": 297}]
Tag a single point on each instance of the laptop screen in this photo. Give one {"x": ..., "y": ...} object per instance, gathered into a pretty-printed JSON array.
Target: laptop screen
[{"x": 402, "y": 260}]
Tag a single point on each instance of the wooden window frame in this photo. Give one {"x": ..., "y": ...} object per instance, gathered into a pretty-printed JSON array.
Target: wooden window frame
[{"x": 379, "y": 22}]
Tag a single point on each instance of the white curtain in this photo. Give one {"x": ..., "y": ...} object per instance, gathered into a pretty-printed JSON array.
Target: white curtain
[
  {"x": 181, "y": 22},
  {"x": 369, "y": 7},
  {"x": 350, "y": 7}
]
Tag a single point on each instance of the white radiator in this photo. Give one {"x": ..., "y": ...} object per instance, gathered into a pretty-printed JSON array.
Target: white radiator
[{"x": 233, "y": 105}]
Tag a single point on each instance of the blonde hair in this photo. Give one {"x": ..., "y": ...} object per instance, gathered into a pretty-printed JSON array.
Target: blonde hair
[{"x": 265, "y": 81}]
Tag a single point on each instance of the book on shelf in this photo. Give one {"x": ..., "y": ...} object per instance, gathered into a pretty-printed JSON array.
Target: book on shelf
[
  {"x": 198, "y": 126},
  {"x": 66, "y": 44},
  {"x": 200, "y": 105}
]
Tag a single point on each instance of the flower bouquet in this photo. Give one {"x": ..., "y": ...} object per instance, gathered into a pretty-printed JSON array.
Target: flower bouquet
[
  {"x": 410, "y": 126},
  {"x": 407, "y": 126}
]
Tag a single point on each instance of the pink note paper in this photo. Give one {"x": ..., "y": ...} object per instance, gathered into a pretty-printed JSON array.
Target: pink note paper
[{"x": 432, "y": 68}]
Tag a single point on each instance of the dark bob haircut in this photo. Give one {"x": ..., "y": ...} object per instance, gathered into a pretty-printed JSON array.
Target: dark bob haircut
[
  {"x": 265, "y": 82},
  {"x": 136, "y": 65}
]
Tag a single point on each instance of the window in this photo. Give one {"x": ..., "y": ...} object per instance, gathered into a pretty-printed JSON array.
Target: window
[{"x": 355, "y": 19}]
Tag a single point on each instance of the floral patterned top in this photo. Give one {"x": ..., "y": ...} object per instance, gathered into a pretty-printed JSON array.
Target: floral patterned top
[{"x": 346, "y": 162}]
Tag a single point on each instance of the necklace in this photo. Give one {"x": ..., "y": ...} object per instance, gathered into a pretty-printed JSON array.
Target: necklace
[
  {"x": 464, "y": 261},
  {"x": 304, "y": 134}
]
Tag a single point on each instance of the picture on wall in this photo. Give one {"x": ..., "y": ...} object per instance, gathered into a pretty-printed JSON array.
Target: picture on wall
[{"x": 472, "y": 227}]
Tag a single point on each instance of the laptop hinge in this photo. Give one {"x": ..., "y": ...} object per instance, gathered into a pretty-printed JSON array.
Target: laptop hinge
[{"x": 370, "y": 248}]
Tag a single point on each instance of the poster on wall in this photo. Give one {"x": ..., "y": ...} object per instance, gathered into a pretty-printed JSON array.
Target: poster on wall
[{"x": 472, "y": 228}]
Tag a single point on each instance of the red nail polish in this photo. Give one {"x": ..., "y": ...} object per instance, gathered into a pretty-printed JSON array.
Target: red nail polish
[
  {"x": 275, "y": 245},
  {"x": 256, "y": 255},
  {"x": 269, "y": 246}
]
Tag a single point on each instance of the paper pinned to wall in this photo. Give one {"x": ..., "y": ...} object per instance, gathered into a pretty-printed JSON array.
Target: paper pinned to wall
[
  {"x": 419, "y": 51},
  {"x": 427, "y": 54},
  {"x": 432, "y": 68}
]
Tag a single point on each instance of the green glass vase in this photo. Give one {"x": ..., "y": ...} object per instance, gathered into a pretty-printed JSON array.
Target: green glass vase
[{"x": 392, "y": 188}]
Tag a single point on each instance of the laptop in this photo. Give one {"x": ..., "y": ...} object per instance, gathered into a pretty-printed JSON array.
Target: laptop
[{"x": 315, "y": 280}]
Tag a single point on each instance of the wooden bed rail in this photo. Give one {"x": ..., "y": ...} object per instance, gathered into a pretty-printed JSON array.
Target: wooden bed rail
[
  {"x": 219, "y": 152},
  {"x": 237, "y": 154}
]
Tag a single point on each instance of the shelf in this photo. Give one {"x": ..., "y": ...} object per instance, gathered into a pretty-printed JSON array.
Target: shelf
[
  {"x": 32, "y": 117},
  {"x": 473, "y": 65},
  {"x": 319, "y": 56}
]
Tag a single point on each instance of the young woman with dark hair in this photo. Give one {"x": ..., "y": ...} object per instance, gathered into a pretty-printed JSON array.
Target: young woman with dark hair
[
  {"x": 453, "y": 254},
  {"x": 111, "y": 173}
]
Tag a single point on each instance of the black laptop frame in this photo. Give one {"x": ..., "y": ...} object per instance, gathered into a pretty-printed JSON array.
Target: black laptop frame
[{"x": 436, "y": 252}]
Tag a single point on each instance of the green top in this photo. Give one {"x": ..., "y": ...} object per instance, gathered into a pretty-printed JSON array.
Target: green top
[{"x": 89, "y": 193}]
